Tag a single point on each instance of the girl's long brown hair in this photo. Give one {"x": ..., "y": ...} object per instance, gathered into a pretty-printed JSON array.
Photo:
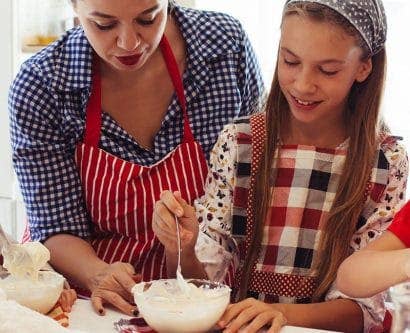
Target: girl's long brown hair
[{"x": 364, "y": 129}]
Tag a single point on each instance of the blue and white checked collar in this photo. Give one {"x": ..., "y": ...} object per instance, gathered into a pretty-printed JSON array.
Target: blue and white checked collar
[{"x": 66, "y": 64}]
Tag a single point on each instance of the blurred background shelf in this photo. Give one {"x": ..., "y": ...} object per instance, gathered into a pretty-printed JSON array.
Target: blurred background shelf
[{"x": 31, "y": 49}]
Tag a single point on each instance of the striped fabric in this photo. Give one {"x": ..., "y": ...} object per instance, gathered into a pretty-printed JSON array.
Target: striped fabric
[
  {"x": 303, "y": 194},
  {"x": 120, "y": 197}
]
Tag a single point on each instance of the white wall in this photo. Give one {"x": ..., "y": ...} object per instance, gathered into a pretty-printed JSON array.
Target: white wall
[
  {"x": 7, "y": 203},
  {"x": 6, "y": 70},
  {"x": 261, "y": 20},
  {"x": 397, "y": 101}
]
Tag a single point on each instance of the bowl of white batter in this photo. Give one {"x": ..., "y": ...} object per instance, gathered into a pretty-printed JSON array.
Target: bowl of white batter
[
  {"x": 39, "y": 295},
  {"x": 168, "y": 309}
]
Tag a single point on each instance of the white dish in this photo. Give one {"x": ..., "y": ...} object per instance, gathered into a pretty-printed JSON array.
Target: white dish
[
  {"x": 168, "y": 310},
  {"x": 39, "y": 295}
]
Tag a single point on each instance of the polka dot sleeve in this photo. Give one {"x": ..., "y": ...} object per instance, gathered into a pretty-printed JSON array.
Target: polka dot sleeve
[
  {"x": 391, "y": 200},
  {"x": 215, "y": 248}
]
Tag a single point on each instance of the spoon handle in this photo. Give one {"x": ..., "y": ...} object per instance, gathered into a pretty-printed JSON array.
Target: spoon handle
[{"x": 179, "y": 244}]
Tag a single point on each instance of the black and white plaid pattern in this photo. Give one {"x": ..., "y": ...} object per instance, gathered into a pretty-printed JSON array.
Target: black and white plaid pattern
[{"x": 48, "y": 98}]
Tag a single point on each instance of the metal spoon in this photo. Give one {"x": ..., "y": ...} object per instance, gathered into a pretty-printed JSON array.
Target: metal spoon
[{"x": 182, "y": 284}]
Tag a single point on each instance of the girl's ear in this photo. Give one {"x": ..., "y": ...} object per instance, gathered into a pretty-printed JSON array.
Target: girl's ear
[{"x": 364, "y": 70}]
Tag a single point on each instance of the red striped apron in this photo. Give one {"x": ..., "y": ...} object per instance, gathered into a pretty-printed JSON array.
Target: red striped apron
[{"x": 120, "y": 195}]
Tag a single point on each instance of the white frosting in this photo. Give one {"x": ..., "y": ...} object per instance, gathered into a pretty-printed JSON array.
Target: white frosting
[
  {"x": 182, "y": 284},
  {"x": 3, "y": 296},
  {"x": 28, "y": 286},
  {"x": 22, "y": 260},
  {"x": 40, "y": 295},
  {"x": 168, "y": 308}
]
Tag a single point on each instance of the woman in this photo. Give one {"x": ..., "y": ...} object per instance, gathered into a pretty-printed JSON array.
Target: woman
[
  {"x": 90, "y": 178},
  {"x": 294, "y": 190}
]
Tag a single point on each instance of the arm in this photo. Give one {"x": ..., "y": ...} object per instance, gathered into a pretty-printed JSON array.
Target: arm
[
  {"x": 169, "y": 210},
  {"x": 205, "y": 228},
  {"x": 386, "y": 254},
  {"x": 79, "y": 263},
  {"x": 216, "y": 248},
  {"x": 43, "y": 157},
  {"x": 338, "y": 315},
  {"x": 377, "y": 217}
]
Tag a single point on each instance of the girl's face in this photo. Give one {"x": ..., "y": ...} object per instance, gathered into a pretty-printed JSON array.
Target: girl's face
[
  {"x": 123, "y": 33},
  {"x": 317, "y": 66}
]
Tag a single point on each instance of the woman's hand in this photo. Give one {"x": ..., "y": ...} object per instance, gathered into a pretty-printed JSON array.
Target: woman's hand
[
  {"x": 112, "y": 285},
  {"x": 163, "y": 222},
  {"x": 251, "y": 315},
  {"x": 67, "y": 299}
]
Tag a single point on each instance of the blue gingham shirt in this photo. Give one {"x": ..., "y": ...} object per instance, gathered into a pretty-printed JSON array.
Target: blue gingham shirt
[{"x": 48, "y": 99}]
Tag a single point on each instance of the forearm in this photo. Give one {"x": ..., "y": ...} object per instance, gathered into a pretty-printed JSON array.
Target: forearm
[
  {"x": 340, "y": 315},
  {"x": 190, "y": 265},
  {"x": 369, "y": 272},
  {"x": 74, "y": 258}
]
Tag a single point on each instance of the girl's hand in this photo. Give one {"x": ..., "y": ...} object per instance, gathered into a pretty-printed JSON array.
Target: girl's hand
[
  {"x": 251, "y": 315},
  {"x": 112, "y": 285},
  {"x": 163, "y": 222},
  {"x": 67, "y": 299}
]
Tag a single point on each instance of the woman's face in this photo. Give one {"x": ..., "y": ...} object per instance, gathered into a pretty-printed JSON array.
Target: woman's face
[
  {"x": 124, "y": 33},
  {"x": 317, "y": 66}
]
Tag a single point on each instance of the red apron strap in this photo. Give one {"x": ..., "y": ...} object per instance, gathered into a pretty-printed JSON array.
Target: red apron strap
[
  {"x": 93, "y": 116},
  {"x": 173, "y": 71}
]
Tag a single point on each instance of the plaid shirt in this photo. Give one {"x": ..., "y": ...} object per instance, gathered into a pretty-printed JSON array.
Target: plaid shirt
[
  {"x": 48, "y": 98},
  {"x": 303, "y": 195}
]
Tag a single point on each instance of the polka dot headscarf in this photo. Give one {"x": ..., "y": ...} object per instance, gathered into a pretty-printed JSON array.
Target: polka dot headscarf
[{"x": 367, "y": 16}]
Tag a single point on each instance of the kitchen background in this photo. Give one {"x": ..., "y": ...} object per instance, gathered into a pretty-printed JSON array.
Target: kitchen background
[{"x": 27, "y": 25}]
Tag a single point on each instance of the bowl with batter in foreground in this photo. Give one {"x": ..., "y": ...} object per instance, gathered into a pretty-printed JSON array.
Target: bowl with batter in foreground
[
  {"x": 167, "y": 309},
  {"x": 39, "y": 295}
]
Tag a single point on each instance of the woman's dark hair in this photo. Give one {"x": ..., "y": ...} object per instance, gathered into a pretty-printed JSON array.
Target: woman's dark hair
[{"x": 171, "y": 4}]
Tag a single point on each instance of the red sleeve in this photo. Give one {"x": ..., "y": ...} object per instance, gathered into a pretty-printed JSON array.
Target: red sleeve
[{"x": 401, "y": 224}]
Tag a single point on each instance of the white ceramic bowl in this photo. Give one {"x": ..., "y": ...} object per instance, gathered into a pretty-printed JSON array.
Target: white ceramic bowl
[
  {"x": 40, "y": 295},
  {"x": 188, "y": 316}
]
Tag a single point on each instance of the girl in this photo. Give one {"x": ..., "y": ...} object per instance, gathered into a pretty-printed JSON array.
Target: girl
[
  {"x": 294, "y": 190},
  {"x": 128, "y": 100},
  {"x": 383, "y": 263}
]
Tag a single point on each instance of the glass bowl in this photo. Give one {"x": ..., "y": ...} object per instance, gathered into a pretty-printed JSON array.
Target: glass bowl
[
  {"x": 39, "y": 295},
  {"x": 167, "y": 310}
]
